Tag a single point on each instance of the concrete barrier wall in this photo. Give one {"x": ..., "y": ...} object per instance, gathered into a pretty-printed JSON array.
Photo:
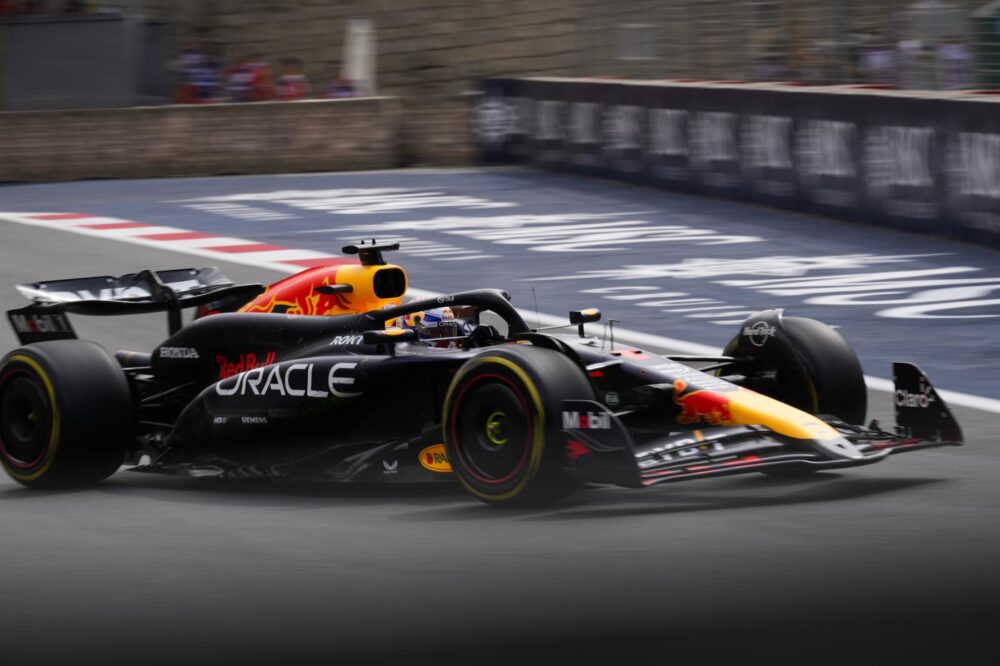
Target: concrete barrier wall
[
  {"x": 438, "y": 130},
  {"x": 921, "y": 162},
  {"x": 270, "y": 137}
]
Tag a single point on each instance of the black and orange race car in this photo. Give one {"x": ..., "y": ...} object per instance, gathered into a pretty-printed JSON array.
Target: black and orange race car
[{"x": 333, "y": 375}]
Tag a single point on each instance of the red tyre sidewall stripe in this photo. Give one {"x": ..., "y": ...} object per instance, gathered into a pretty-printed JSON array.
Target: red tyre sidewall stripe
[
  {"x": 8, "y": 457},
  {"x": 454, "y": 429}
]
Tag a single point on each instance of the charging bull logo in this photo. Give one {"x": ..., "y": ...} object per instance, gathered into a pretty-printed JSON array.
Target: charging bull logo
[
  {"x": 304, "y": 304},
  {"x": 298, "y": 295},
  {"x": 701, "y": 404}
]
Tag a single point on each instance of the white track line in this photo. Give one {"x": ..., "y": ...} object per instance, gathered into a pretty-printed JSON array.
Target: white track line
[{"x": 272, "y": 260}]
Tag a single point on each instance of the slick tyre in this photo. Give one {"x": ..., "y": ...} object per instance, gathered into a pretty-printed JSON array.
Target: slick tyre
[
  {"x": 502, "y": 428},
  {"x": 811, "y": 367},
  {"x": 66, "y": 414}
]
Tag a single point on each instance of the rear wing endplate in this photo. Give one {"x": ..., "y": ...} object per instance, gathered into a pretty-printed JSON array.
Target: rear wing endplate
[{"x": 133, "y": 293}]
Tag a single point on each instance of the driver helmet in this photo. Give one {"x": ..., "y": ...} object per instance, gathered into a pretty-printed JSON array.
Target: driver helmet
[{"x": 433, "y": 325}]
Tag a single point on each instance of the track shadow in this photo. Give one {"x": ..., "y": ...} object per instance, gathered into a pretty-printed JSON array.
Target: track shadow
[
  {"x": 622, "y": 502},
  {"x": 805, "y": 492},
  {"x": 18, "y": 493},
  {"x": 247, "y": 493},
  {"x": 281, "y": 493},
  {"x": 443, "y": 502}
]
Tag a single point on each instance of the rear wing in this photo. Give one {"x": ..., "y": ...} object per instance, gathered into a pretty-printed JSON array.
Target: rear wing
[{"x": 167, "y": 291}]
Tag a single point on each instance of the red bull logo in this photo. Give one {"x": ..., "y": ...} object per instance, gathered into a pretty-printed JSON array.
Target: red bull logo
[
  {"x": 297, "y": 295},
  {"x": 303, "y": 303},
  {"x": 243, "y": 363},
  {"x": 700, "y": 405}
]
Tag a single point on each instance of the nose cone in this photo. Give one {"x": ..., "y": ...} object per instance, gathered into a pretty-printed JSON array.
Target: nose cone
[
  {"x": 751, "y": 408},
  {"x": 838, "y": 448}
]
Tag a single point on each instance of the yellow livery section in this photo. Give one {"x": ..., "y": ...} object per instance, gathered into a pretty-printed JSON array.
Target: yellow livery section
[
  {"x": 746, "y": 407},
  {"x": 435, "y": 458},
  {"x": 373, "y": 287},
  {"x": 334, "y": 290},
  {"x": 752, "y": 408}
]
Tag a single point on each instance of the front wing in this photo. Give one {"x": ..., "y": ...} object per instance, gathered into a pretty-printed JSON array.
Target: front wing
[{"x": 600, "y": 449}]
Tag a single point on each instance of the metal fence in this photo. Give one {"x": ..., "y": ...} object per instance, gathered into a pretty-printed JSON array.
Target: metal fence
[{"x": 926, "y": 44}]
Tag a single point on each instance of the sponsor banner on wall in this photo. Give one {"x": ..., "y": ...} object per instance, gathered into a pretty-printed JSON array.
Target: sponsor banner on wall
[
  {"x": 971, "y": 196},
  {"x": 922, "y": 165}
]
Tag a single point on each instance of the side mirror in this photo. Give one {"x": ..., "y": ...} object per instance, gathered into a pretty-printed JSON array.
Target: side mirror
[
  {"x": 390, "y": 337},
  {"x": 333, "y": 288},
  {"x": 581, "y": 317}
]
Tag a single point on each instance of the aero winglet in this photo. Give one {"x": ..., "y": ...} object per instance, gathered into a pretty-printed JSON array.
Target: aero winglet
[{"x": 920, "y": 411}]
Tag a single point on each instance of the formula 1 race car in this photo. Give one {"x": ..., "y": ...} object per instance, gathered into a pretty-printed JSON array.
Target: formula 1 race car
[{"x": 332, "y": 375}]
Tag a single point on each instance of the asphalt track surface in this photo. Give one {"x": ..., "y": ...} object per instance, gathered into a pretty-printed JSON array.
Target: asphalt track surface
[
  {"x": 690, "y": 268},
  {"x": 893, "y": 561}
]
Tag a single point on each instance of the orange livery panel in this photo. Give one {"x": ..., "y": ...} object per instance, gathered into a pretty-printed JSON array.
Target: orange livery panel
[{"x": 359, "y": 289}]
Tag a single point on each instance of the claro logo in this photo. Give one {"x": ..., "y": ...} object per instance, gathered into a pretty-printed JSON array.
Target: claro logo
[
  {"x": 294, "y": 380},
  {"x": 920, "y": 400}
]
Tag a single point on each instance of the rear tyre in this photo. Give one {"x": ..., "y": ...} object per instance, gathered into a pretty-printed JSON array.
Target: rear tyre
[
  {"x": 66, "y": 414},
  {"x": 502, "y": 425}
]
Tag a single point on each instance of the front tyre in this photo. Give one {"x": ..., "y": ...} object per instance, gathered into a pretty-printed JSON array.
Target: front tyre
[
  {"x": 808, "y": 365},
  {"x": 502, "y": 428},
  {"x": 66, "y": 414}
]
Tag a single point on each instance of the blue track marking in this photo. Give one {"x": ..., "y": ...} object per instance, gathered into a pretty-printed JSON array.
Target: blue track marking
[{"x": 685, "y": 267}]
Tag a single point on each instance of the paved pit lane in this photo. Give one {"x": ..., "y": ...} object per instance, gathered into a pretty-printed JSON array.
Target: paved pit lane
[{"x": 889, "y": 561}]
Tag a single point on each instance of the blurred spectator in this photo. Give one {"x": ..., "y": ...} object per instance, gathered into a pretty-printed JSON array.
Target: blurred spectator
[
  {"x": 261, "y": 85},
  {"x": 915, "y": 63},
  {"x": 819, "y": 63},
  {"x": 337, "y": 87},
  {"x": 249, "y": 80},
  {"x": 769, "y": 63},
  {"x": 239, "y": 81},
  {"x": 954, "y": 64},
  {"x": 878, "y": 63},
  {"x": 293, "y": 84},
  {"x": 769, "y": 67},
  {"x": 200, "y": 73}
]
